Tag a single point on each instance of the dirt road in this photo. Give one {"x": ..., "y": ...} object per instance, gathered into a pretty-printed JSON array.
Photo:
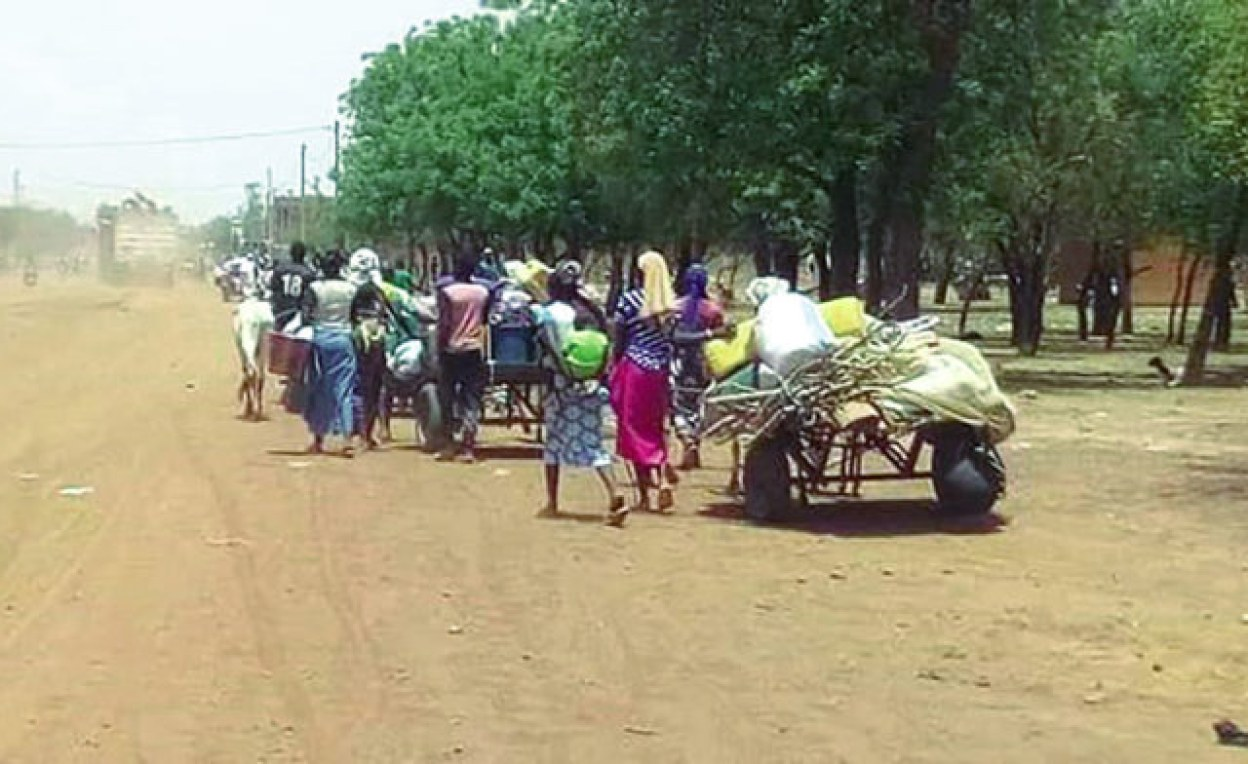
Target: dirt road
[{"x": 216, "y": 600}]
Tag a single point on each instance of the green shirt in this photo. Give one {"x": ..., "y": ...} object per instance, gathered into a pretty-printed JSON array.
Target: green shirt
[{"x": 403, "y": 280}]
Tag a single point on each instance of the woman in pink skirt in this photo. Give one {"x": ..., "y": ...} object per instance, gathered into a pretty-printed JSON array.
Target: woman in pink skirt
[{"x": 639, "y": 381}]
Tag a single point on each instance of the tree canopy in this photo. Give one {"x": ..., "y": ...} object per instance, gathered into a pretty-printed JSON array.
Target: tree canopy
[{"x": 892, "y": 133}]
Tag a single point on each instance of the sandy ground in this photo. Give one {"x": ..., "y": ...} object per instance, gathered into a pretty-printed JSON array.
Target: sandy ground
[{"x": 215, "y": 599}]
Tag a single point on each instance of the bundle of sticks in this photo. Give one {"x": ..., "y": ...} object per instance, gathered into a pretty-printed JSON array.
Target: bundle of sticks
[{"x": 818, "y": 390}]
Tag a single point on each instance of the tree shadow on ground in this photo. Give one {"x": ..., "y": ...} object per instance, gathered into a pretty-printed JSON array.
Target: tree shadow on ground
[{"x": 870, "y": 519}]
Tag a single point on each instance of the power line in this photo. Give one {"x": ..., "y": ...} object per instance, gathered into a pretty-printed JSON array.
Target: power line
[{"x": 184, "y": 141}]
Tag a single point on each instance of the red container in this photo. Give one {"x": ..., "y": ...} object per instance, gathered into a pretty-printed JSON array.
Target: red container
[{"x": 287, "y": 354}]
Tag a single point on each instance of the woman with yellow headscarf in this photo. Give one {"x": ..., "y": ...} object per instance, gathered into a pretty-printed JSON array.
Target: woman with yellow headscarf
[{"x": 639, "y": 381}]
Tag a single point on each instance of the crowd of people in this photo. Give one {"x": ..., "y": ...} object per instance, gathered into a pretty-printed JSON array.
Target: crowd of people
[{"x": 641, "y": 360}]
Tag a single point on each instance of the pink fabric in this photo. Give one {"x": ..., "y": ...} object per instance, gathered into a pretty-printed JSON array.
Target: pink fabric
[
  {"x": 465, "y": 320},
  {"x": 640, "y": 400}
]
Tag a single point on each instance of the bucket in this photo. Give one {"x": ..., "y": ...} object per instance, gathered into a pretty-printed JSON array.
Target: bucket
[
  {"x": 513, "y": 345},
  {"x": 287, "y": 354},
  {"x": 845, "y": 316}
]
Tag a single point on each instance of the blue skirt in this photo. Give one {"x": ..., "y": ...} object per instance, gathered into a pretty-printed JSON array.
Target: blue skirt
[{"x": 330, "y": 380}]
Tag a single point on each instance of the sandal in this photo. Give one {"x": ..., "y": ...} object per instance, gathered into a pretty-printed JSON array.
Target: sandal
[
  {"x": 667, "y": 499},
  {"x": 617, "y": 513}
]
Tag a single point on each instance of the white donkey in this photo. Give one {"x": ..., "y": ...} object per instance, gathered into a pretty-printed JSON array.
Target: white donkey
[{"x": 253, "y": 320}]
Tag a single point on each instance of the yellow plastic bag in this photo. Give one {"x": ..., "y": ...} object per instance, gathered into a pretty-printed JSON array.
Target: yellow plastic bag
[
  {"x": 723, "y": 357},
  {"x": 845, "y": 316}
]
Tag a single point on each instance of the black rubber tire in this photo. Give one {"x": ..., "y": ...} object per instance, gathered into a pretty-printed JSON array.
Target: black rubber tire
[
  {"x": 768, "y": 480},
  {"x": 427, "y": 412},
  {"x": 964, "y": 479}
]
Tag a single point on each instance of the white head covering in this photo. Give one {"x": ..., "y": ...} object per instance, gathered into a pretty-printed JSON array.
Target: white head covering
[{"x": 363, "y": 267}]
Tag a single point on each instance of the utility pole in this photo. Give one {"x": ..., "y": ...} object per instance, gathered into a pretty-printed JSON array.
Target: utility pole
[{"x": 303, "y": 197}]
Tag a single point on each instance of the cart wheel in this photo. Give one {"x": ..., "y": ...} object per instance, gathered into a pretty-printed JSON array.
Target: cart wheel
[
  {"x": 427, "y": 411},
  {"x": 966, "y": 472},
  {"x": 768, "y": 481}
]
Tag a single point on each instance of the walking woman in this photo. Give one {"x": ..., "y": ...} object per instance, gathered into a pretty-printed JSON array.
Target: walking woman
[
  {"x": 699, "y": 318},
  {"x": 639, "y": 381},
  {"x": 330, "y": 373},
  {"x": 574, "y": 406},
  {"x": 369, "y": 314}
]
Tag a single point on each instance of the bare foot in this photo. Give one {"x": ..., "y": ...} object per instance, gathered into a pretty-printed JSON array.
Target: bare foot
[
  {"x": 670, "y": 474},
  {"x": 667, "y": 499},
  {"x": 549, "y": 510}
]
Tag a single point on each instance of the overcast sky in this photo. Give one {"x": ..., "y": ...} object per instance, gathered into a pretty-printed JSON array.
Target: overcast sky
[{"x": 76, "y": 71}]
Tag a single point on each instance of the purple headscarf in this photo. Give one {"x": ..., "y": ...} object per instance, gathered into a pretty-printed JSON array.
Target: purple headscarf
[{"x": 695, "y": 283}]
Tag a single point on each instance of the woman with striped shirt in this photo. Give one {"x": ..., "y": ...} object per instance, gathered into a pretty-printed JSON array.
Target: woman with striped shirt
[{"x": 639, "y": 381}]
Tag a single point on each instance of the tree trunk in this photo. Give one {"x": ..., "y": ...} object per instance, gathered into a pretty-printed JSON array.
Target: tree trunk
[
  {"x": 788, "y": 261},
  {"x": 1222, "y": 319},
  {"x": 1221, "y": 285},
  {"x": 616, "y": 280},
  {"x": 1171, "y": 328},
  {"x": 846, "y": 242},
  {"x": 1026, "y": 269},
  {"x": 976, "y": 284},
  {"x": 876, "y": 234},
  {"x": 941, "y": 25},
  {"x": 1128, "y": 289},
  {"x": 943, "y": 279},
  {"x": 823, "y": 266},
  {"x": 1188, "y": 288}
]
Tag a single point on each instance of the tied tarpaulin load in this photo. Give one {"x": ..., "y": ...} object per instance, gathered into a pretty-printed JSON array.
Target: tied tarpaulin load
[{"x": 912, "y": 376}]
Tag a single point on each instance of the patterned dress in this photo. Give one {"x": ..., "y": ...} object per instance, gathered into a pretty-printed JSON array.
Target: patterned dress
[{"x": 573, "y": 408}]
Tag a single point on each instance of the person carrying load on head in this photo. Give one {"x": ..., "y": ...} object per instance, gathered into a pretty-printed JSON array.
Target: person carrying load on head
[
  {"x": 288, "y": 283},
  {"x": 463, "y": 374},
  {"x": 699, "y": 318},
  {"x": 572, "y": 333}
]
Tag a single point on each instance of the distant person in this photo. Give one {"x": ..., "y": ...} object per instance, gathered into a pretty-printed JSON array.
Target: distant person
[
  {"x": 330, "y": 372},
  {"x": 401, "y": 277},
  {"x": 288, "y": 283},
  {"x": 462, "y": 305}
]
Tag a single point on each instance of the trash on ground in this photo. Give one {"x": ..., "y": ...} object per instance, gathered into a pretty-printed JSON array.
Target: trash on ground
[{"x": 76, "y": 490}]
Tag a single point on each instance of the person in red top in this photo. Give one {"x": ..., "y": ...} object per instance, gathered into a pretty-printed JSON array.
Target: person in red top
[{"x": 462, "y": 305}]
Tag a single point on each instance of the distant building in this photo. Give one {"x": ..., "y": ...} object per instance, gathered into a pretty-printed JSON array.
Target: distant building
[
  {"x": 288, "y": 218},
  {"x": 1160, "y": 266}
]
